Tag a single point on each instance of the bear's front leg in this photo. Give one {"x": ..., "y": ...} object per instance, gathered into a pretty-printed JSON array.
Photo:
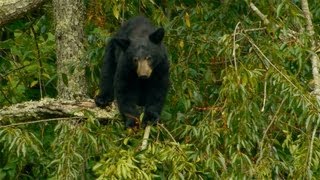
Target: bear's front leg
[
  {"x": 155, "y": 97},
  {"x": 126, "y": 96},
  {"x": 151, "y": 115},
  {"x": 128, "y": 109},
  {"x": 108, "y": 69}
]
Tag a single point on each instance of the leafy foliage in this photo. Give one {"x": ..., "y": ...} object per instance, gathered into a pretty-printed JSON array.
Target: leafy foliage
[
  {"x": 27, "y": 61},
  {"x": 240, "y": 104}
]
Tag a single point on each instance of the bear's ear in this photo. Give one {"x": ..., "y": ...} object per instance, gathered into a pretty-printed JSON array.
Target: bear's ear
[
  {"x": 157, "y": 36},
  {"x": 122, "y": 42}
]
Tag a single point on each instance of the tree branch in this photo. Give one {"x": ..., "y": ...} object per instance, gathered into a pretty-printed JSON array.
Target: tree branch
[
  {"x": 47, "y": 108},
  {"x": 314, "y": 56},
  {"x": 13, "y": 9},
  {"x": 259, "y": 13}
]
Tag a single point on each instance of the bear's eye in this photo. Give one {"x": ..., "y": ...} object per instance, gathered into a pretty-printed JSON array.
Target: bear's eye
[
  {"x": 135, "y": 60},
  {"x": 148, "y": 58}
]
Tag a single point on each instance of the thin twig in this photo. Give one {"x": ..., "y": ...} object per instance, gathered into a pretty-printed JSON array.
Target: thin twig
[
  {"x": 311, "y": 149},
  {"x": 16, "y": 69},
  {"x": 264, "y": 95},
  {"x": 266, "y": 131},
  {"x": 254, "y": 29},
  {"x": 234, "y": 47},
  {"x": 283, "y": 75},
  {"x": 178, "y": 147},
  {"x": 147, "y": 134},
  {"x": 5, "y": 97},
  {"x": 162, "y": 126},
  {"x": 40, "y": 121},
  {"x": 39, "y": 59}
]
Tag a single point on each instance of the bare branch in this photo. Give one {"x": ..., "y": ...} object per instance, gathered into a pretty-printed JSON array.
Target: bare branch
[{"x": 259, "y": 13}]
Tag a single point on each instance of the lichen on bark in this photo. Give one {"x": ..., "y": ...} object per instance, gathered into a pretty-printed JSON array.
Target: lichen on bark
[{"x": 69, "y": 18}]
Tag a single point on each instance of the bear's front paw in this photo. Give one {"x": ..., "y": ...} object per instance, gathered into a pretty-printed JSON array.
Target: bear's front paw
[
  {"x": 131, "y": 123},
  {"x": 151, "y": 118},
  {"x": 102, "y": 102}
]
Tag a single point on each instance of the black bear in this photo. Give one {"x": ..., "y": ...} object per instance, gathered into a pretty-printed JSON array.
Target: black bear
[{"x": 135, "y": 71}]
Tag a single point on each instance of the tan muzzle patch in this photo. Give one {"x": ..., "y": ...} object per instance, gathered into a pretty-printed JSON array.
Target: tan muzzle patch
[{"x": 144, "y": 69}]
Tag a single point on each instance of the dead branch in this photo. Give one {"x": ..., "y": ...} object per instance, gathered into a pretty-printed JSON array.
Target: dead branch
[{"x": 145, "y": 138}]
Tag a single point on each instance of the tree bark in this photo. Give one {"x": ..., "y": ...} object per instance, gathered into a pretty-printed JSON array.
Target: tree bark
[
  {"x": 69, "y": 17},
  {"x": 13, "y": 9},
  {"x": 52, "y": 110}
]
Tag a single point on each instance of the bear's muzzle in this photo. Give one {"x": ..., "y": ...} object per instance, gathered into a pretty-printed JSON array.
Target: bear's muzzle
[{"x": 144, "y": 69}]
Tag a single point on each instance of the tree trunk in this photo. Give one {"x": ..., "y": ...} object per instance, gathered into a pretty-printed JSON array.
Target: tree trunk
[
  {"x": 314, "y": 57},
  {"x": 69, "y": 48},
  {"x": 13, "y": 9}
]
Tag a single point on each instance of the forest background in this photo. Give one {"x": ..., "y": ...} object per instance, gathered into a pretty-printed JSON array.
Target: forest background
[{"x": 243, "y": 100}]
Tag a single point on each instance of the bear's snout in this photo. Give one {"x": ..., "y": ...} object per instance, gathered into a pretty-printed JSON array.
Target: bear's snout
[{"x": 144, "y": 69}]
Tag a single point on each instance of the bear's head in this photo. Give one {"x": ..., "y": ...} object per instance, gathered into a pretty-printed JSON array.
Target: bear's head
[{"x": 144, "y": 52}]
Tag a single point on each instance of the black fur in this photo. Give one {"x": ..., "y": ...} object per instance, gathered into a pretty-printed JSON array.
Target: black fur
[{"x": 136, "y": 38}]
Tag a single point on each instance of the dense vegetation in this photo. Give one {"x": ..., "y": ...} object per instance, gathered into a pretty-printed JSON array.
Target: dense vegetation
[{"x": 240, "y": 104}]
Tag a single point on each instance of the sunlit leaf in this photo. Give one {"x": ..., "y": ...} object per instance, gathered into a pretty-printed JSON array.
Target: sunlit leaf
[
  {"x": 116, "y": 11},
  {"x": 33, "y": 83},
  {"x": 187, "y": 19}
]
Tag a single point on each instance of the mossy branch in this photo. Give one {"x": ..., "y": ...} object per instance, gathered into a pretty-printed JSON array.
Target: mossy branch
[{"x": 49, "y": 109}]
